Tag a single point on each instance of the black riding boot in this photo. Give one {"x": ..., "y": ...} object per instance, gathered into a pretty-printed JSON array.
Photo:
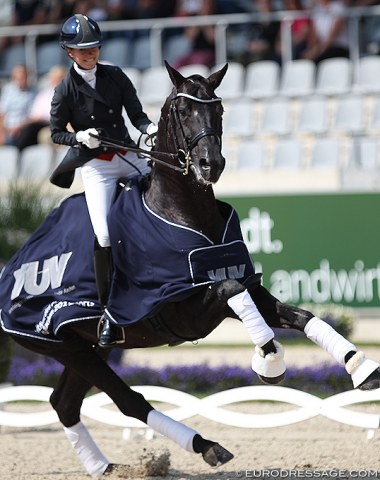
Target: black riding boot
[{"x": 109, "y": 334}]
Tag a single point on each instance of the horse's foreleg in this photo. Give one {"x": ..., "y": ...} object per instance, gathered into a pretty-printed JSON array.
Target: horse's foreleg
[
  {"x": 268, "y": 360},
  {"x": 364, "y": 372}
]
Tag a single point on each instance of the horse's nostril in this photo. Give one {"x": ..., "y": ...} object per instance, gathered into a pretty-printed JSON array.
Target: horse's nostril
[{"x": 204, "y": 164}]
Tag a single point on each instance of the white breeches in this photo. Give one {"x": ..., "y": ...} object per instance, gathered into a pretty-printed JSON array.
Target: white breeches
[{"x": 99, "y": 180}]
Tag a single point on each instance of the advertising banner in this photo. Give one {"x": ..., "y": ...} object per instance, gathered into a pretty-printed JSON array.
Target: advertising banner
[{"x": 321, "y": 248}]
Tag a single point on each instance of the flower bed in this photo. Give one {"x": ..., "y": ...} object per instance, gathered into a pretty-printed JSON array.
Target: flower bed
[{"x": 322, "y": 380}]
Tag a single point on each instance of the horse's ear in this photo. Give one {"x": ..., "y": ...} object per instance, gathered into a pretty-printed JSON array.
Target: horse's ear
[
  {"x": 215, "y": 79},
  {"x": 176, "y": 78}
]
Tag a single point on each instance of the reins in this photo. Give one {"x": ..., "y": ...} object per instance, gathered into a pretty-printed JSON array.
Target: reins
[
  {"x": 183, "y": 154},
  {"x": 110, "y": 142}
]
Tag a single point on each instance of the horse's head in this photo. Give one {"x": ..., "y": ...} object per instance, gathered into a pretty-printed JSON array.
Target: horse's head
[{"x": 191, "y": 123}]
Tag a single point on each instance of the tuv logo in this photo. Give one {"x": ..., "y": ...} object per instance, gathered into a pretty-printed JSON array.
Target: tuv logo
[
  {"x": 36, "y": 281},
  {"x": 235, "y": 271}
]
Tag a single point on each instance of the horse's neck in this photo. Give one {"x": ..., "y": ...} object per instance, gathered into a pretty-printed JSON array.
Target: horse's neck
[{"x": 181, "y": 203}]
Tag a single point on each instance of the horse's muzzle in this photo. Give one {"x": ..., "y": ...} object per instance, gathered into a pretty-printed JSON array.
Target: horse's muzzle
[{"x": 209, "y": 170}]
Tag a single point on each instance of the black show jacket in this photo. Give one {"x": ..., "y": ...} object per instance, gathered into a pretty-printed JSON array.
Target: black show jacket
[{"x": 76, "y": 103}]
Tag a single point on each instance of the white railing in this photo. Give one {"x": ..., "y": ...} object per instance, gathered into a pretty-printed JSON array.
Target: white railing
[{"x": 209, "y": 407}]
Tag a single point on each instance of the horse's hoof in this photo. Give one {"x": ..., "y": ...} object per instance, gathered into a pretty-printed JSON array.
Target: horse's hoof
[
  {"x": 365, "y": 373},
  {"x": 216, "y": 455},
  {"x": 271, "y": 367},
  {"x": 273, "y": 380},
  {"x": 372, "y": 382}
]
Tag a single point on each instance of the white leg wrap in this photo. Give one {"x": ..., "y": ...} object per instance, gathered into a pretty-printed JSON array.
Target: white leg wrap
[
  {"x": 177, "y": 431},
  {"x": 326, "y": 337},
  {"x": 360, "y": 368},
  {"x": 92, "y": 458},
  {"x": 270, "y": 365},
  {"x": 244, "y": 307}
]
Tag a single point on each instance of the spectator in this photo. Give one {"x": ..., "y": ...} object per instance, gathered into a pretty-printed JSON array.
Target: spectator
[
  {"x": 369, "y": 28},
  {"x": 28, "y": 12},
  {"x": 300, "y": 29},
  {"x": 262, "y": 44},
  {"x": 60, "y": 10},
  {"x": 202, "y": 38},
  {"x": 39, "y": 117},
  {"x": 120, "y": 9},
  {"x": 328, "y": 36},
  {"x": 15, "y": 104}
]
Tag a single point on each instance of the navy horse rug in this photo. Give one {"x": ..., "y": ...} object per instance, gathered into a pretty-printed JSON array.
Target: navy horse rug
[{"x": 50, "y": 282}]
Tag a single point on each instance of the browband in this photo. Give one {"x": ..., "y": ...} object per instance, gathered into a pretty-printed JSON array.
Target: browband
[{"x": 196, "y": 99}]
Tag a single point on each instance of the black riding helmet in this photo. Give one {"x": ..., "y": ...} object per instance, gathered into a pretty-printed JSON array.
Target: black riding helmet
[{"x": 80, "y": 32}]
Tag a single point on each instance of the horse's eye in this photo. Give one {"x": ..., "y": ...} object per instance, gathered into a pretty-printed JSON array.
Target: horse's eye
[{"x": 182, "y": 112}]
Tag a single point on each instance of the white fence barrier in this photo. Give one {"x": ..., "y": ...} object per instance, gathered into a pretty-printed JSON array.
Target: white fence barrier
[{"x": 209, "y": 407}]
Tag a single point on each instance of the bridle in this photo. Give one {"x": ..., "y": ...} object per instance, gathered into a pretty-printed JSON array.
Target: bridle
[
  {"x": 184, "y": 153},
  {"x": 183, "y": 145}
]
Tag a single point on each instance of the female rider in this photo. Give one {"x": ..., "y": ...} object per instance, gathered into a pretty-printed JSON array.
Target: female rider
[{"x": 89, "y": 101}]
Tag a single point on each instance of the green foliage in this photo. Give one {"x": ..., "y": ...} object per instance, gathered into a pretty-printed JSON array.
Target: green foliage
[
  {"x": 21, "y": 211},
  {"x": 5, "y": 356}
]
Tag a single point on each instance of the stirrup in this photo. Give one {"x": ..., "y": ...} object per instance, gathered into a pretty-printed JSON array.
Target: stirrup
[{"x": 109, "y": 334}]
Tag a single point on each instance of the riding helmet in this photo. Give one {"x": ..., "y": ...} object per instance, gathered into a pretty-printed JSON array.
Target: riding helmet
[{"x": 80, "y": 32}]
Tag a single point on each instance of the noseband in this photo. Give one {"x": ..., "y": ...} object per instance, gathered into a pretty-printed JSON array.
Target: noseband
[{"x": 184, "y": 152}]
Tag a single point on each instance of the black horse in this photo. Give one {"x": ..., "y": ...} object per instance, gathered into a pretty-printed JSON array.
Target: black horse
[{"x": 157, "y": 299}]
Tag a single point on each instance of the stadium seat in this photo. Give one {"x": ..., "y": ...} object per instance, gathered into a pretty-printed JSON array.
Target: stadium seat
[
  {"x": 363, "y": 153},
  {"x": 262, "y": 79},
  {"x": 313, "y": 115},
  {"x": 239, "y": 118},
  {"x": 334, "y": 76},
  {"x": 141, "y": 54},
  {"x": 134, "y": 75},
  {"x": 368, "y": 74},
  {"x": 36, "y": 162},
  {"x": 232, "y": 85},
  {"x": 193, "y": 69},
  {"x": 117, "y": 51},
  {"x": 251, "y": 155},
  {"x": 276, "y": 117},
  {"x": 49, "y": 54},
  {"x": 288, "y": 154},
  {"x": 176, "y": 47},
  {"x": 9, "y": 155},
  {"x": 155, "y": 85},
  {"x": 12, "y": 55},
  {"x": 298, "y": 78},
  {"x": 362, "y": 172},
  {"x": 349, "y": 117},
  {"x": 326, "y": 153}
]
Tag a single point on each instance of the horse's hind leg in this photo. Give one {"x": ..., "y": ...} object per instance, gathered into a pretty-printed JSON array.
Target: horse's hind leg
[
  {"x": 85, "y": 363},
  {"x": 67, "y": 399},
  {"x": 365, "y": 373}
]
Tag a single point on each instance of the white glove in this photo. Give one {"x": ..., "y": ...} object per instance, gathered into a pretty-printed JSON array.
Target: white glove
[
  {"x": 83, "y": 136},
  {"x": 152, "y": 129}
]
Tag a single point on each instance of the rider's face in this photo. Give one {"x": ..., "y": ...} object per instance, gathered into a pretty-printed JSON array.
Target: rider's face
[{"x": 86, "y": 58}]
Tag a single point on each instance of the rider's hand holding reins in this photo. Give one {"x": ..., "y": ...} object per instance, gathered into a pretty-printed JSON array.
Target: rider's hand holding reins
[
  {"x": 152, "y": 129},
  {"x": 87, "y": 138}
]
